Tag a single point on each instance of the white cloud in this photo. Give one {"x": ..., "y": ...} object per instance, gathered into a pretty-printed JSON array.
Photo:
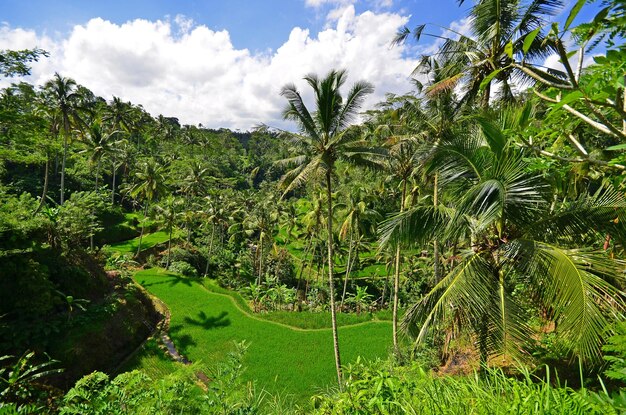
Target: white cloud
[
  {"x": 320, "y": 3},
  {"x": 554, "y": 62},
  {"x": 178, "y": 68}
]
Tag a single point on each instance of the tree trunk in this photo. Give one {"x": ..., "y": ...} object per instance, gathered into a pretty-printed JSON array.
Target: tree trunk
[
  {"x": 142, "y": 229},
  {"x": 486, "y": 96},
  {"x": 624, "y": 105},
  {"x": 331, "y": 283},
  {"x": 113, "y": 184},
  {"x": 169, "y": 248},
  {"x": 63, "y": 168},
  {"x": 260, "y": 251},
  {"x": 93, "y": 214},
  {"x": 436, "y": 267},
  {"x": 42, "y": 202},
  {"x": 396, "y": 279},
  {"x": 208, "y": 258},
  {"x": 345, "y": 280},
  {"x": 97, "y": 174}
]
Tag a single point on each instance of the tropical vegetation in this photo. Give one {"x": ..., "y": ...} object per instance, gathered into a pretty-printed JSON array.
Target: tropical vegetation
[{"x": 458, "y": 249}]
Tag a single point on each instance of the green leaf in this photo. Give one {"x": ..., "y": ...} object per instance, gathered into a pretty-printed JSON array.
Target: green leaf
[
  {"x": 601, "y": 15},
  {"x": 567, "y": 99},
  {"x": 616, "y": 147},
  {"x": 494, "y": 135},
  {"x": 600, "y": 60},
  {"x": 489, "y": 78},
  {"x": 508, "y": 49},
  {"x": 529, "y": 39},
  {"x": 573, "y": 13}
]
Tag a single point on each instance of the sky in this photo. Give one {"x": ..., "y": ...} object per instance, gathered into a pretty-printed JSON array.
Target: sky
[{"x": 222, "y": 63}]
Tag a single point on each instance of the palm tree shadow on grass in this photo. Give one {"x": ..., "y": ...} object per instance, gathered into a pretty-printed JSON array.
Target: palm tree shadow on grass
[
  {"x": 209, "y": 322},
  {"x": 181, "y": 341},
  {"x": 171, "y": 279}
]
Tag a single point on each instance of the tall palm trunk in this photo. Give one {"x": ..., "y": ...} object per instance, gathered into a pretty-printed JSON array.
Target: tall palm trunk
[
  {"x": 436, "y": 264},
  {"x": 93, "y": 213},
  {"x": 348, "y": 269},
  {"x": 260, "y": 250},
  {"x": 208, "y": 257},
  {"x": 113, "y": 184},
  {"x": 169, "y": 247},
  {"x": 63, "y": 168},
  {"x": 44, "y": 192},
  {"x": 331, "y": 282},
  {"x": 97, "y": 174},
  {"x": 143, "y": 224},
  {"x": 396, "y": 279}
]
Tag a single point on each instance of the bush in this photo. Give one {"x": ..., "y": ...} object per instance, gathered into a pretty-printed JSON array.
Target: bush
[
  {"x": 183, "y": 268},
  {"x": 616, "y": 346},
  {"x": 187, "y": 391}
]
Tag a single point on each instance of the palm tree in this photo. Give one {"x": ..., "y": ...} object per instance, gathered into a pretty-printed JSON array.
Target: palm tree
[
  {"x": 411, "y": 127},
  {"x": 198, "y": 179},
  {"x": 325, "y": 138},
  {"x": 63, "y": 95},
  {"x": 53, "y": 120},
  {"x": 402, "y": 163},
  {"x": 513, "y": 235},
  {"x": 498, "y": 31},
  {"x": 148, "y": 186},
  {"x": 99, "y": 144},
  {"x": 169, "y": 211},
  {"x": 119, "y": 114},
  {"x": 360, "y": 220}
]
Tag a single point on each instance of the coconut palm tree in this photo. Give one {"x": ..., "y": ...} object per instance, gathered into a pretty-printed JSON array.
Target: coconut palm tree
[
  {"x": 99, "y": 144},
  {"x": 148, "y": 186},
  {"x": 497, "y": 36},
  {"x": 324, "y": 138},
  {"x": 513, "y": 235},
  {"x": 402, "y": 162},
  {"x": 169, "y": 211},
  {"x": 360, "y": 220},
  {"x": 63, "y": 95}
]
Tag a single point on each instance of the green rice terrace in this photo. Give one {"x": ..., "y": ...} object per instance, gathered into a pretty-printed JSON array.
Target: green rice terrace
[{"x": 281, "y": 357}]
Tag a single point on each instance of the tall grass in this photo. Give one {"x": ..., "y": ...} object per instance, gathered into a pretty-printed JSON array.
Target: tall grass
[{"x": 381, "y": 388}]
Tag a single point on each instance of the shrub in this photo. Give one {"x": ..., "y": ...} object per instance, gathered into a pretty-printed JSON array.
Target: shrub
[
  {"x": 616, "y": 347},
  {"x": 183, "y": 268}
]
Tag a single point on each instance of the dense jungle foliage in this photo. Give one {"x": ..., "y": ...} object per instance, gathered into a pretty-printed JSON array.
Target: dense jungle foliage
[{"x": 473, "y": 229}]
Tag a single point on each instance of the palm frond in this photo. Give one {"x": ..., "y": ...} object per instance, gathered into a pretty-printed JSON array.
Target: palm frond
[
  {"x": 297, "y": 111},
  {"x": 416, "y": 225},
  {"x": 573, "y": 282},
  {"x": 601, "y": 213},
  {"x": 300, "y": 175},
  {"x": 354, "y": 100}
]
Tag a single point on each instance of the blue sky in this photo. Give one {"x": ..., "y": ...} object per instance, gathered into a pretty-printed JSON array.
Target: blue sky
[
  {"x": 222, "y": 62},
  {"x": 253, "y": 24}
]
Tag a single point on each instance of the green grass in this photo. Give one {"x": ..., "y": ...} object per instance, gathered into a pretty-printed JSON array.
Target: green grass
[
  {"x": 150, "y": 240},
  {"x": 303, "y": 320},
  {"x": 152, "y": 360},
  {"x": 319, "y": 320},
  {"x": 280, "y": 358}
]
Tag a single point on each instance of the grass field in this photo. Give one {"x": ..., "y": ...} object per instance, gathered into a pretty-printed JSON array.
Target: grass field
[
  {"x": 148, "y": 241},
  {"x": 280, "y": 358}
]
